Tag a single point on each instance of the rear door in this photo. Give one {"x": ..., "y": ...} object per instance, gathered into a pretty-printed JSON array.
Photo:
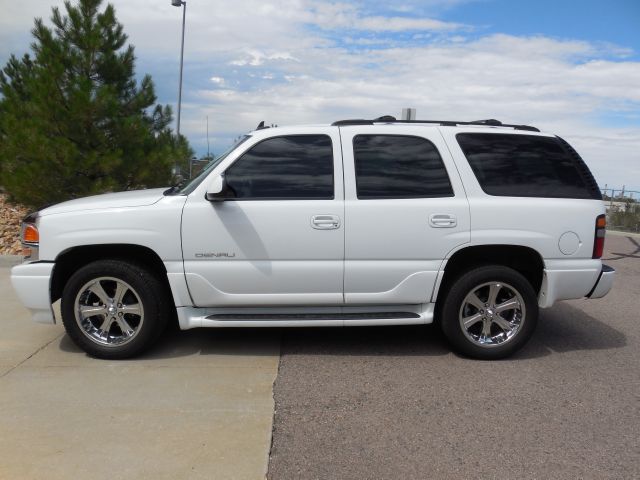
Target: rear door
[{"x": 405, "y": 210}]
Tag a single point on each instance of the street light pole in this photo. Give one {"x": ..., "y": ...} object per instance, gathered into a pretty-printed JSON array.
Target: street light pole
[{"x": 180, "y": 3}]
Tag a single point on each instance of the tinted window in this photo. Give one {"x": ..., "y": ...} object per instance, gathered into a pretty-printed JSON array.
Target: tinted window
[
  {"x": 523, "y": 166},
  {"x": 395, "y": 166},
  {"x": 193, "y": 184},
  {"x": 299, "y": 166}
]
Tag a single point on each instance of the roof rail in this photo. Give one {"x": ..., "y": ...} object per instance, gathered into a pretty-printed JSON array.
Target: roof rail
[
  {"x": 445, "y": 123},
  {"x": 353, "y": 121}
]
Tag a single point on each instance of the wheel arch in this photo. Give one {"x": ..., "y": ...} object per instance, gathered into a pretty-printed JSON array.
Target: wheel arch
[
  {"x": 524, "y": 260},
  {"x": 70, "y": 260}
]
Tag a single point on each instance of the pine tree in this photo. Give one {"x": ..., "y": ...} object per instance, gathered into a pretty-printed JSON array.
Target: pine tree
[{"x": 73, "y": 119}]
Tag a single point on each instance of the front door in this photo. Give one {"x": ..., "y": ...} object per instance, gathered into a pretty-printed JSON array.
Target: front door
[
  {"x": 405, "y": 210},
  {"x": 280, "y": 241}
]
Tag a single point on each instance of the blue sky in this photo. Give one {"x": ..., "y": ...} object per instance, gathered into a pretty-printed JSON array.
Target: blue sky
[
  {"x": 592, "y": 20},
  {"x": 569, "y": 67}
]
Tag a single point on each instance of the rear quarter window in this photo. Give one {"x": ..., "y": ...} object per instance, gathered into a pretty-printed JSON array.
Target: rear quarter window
[{"x": 527, "y": 166}]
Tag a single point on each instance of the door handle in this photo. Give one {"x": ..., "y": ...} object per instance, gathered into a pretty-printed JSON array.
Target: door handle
[
  {"x": 325, "y": 222},
  {"x": 442, "y": 220}
]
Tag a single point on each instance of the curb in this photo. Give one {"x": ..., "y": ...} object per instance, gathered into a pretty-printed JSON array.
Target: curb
[
  {"x": 619, "y": 233},
  {"x": 10, "y": 260}
]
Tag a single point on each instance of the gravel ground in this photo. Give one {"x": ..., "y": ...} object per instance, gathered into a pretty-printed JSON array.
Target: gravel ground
[{"x": 393, "y": 402}]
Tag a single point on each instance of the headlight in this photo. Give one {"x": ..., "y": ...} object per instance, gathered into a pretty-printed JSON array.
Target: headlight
[{"x": 30, "y": 237}]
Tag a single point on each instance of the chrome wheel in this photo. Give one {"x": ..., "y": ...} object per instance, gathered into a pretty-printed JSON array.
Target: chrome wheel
[
  {"x": 109, "y": 311},
  {"x": 492, "y": 314}
]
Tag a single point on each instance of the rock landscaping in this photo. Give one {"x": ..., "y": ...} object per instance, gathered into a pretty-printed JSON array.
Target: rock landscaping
[{"x": 10, "y": 216}]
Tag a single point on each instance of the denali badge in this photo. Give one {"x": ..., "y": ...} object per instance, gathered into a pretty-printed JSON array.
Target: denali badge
[{"x": 219, "y": 254}]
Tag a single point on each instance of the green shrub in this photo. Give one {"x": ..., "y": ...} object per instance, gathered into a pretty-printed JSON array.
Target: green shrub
[{"x": 628, "y": 220}]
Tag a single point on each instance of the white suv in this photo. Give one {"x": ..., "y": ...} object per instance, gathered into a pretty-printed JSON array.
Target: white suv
[{"x": 474, "y": 225}]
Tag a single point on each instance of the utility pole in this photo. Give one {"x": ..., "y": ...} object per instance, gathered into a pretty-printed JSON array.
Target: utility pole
[{"x": 207, "y": 136}]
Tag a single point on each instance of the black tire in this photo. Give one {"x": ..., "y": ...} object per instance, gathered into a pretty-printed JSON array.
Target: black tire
[
  {"x": 454, "y": 307},
  {"x": 149, "y": 294}
]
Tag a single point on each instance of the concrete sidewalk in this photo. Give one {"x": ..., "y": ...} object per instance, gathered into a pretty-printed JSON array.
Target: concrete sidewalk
[{"x": 199, "y": 405}]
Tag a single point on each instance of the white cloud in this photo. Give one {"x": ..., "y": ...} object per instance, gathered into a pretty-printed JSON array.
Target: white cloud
[
  {"x": 401, "y": 24},
  {"x": 560, "y": 86},
  {"x": 611, "y": 153},
  {"x": 257, "y": 57},
  {"x": 306, "y": 61},
  {"x": 522, "y": 79},
  {"x": 346, "y": 16}
]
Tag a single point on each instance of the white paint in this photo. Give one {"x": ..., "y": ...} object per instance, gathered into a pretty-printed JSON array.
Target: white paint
[
  {"x": 569, "y": 243},
  {"x": 277, "y": 257},
  {"x": 31, "y": 283},
  {"x": 378, "y": 255}
]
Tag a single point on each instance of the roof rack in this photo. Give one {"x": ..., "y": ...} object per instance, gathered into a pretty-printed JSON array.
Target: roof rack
[{"x": 445, "y": 123}]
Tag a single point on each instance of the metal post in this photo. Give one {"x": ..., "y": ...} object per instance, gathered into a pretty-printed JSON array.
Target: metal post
[
  {"x": 207, "y": 136},
  {"x": 611, "y": 200},
  {"x": 184, "y": 15}
]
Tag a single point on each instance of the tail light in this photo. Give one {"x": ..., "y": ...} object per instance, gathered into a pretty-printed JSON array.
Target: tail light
[{"x": 598, "y": 241}]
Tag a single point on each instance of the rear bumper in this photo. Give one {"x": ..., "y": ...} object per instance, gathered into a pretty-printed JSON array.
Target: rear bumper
[
  {"x": 567, "y": 279},
  {"x": 32, "y": 281},
  {"x": 604, "y": 282}
]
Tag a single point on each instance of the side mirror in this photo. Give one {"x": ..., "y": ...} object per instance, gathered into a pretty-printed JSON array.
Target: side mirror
[{"x": 218, "y": 190}]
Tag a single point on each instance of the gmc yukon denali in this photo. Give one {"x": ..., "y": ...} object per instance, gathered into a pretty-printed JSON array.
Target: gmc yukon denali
[{"x": 472, "y": 225}]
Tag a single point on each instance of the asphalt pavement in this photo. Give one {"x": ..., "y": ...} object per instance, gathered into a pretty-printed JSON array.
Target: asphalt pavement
[{"x": 395, "y": 403}]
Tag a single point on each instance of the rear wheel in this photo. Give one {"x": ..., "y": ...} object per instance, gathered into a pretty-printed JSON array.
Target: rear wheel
[
  {"x": 489, "y": 312},
  {"x": 114, "y": 309}
]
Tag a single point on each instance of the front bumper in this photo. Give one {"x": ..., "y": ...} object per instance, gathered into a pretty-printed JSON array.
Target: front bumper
[
  {"x": 604, "y": 282},
  {"x": 32, "y": 282}
]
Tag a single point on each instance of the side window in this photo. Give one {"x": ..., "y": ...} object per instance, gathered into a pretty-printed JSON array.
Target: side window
[
  {"x": 281, "y": 168},
  {"x": 399, "y": 166},
  {"x": 524, "y": 166}
]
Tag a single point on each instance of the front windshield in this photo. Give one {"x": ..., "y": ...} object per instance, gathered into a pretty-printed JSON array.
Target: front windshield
[{"x": 191, "y": 186}]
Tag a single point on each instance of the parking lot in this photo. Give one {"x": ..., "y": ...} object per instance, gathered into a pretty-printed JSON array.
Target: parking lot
[
  {"x": 387, "y": 402},
  {"x": 396, "y": 403}
]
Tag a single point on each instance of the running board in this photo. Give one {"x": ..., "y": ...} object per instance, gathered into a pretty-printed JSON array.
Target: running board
[
  {"x": 313, "y": 316},
  {"x": 190, "y": 317}
]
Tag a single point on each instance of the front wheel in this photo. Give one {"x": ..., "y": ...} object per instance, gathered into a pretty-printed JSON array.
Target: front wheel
[
  {"x": 114, "y": 309},
  {"x": 489, "y": 312}
]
